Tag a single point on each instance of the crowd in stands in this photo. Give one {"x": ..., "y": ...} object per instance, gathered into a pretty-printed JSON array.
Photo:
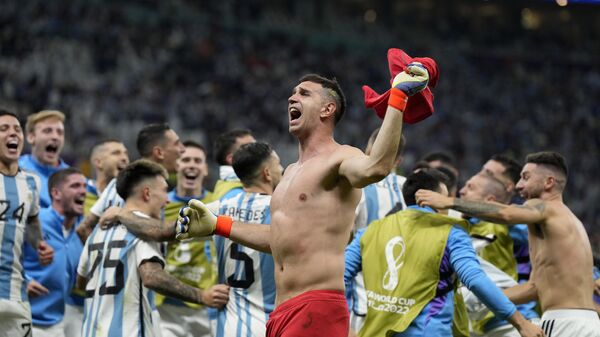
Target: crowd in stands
[{"x": 204, "y": 68}]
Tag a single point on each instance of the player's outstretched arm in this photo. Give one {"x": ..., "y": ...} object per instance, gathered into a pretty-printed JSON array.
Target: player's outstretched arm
[
  {"x": 533, "y": 211},
  {"x": 147, "y": 229},
  {"x": 196, "y": 220},
  {"x": 362, "y": 170},
  {"x": 522, "y": 293},
  {"x": 154, "y": 277}
]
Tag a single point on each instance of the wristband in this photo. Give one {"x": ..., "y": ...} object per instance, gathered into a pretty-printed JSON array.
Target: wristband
[
  {"x": 397, "y": 99},
  {"x": 223, "y": 227}
]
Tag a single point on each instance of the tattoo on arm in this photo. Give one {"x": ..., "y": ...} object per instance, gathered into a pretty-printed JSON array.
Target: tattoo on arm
[
  {"x": 155, "y": 278},
  {"x": 476, "y": 208},
  {"x": 34, "y": 231},
  {"x": 147, "y": 228}
]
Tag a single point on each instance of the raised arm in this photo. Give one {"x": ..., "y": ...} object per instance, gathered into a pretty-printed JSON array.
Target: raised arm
[
  {"x": 533, "y": 211},
  {"x": 154, "y": 277},
  {"x": 196, "y": 220},
  {"x": 86, "y": 226},
  {"x": 362, "y": 170}
]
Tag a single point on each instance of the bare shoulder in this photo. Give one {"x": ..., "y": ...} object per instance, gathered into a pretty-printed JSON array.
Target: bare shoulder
[{"x": 347, "y": 151}]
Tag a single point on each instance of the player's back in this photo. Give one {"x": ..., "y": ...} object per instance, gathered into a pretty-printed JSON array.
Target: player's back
[
  {"x": 562, "y": 258},
  {"x": 249, "y": 273},
  {"x": 117, "y": 303}
]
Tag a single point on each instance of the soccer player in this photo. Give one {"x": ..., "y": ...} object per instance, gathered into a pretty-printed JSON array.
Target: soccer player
[
  {"x": 118, "y": 270},
  {"x": 410, "y": 261},
  {"x": 249, "y": 272},
  {"x": 560, "y": 250},
  {"x": 190, "y": 262},
  {"x": 67, "y": 191},
  {"x": 108, "y": 157},
  {"x": 225, "y": 146},
  {"x": 485, "y": 187},
  {"x": 19, "y": 204},
  {"x": 46, "y": 135},
  {"x": 155, "y": 142},
  {"x": 312, "y": 209},
  {"x": 376, "y": 201}
]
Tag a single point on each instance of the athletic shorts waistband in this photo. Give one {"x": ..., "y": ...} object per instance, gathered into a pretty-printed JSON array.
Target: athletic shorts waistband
[
  {"x": 569, "y": 313},
  {"x": 310, "y": 296}
]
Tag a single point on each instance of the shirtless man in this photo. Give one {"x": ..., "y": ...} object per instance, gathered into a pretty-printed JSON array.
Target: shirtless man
[
  {"x": 312, "y": 208},
  {"x": 560, "y": 250}
]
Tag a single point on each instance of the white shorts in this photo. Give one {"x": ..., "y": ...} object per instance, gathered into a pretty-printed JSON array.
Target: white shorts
[
  {"x": 56, "y": 330},
  {"x": 15, "y": 318},
  {"x": 73, "y": 320},
  {"x": 571, "y": 323},
  {"x": 180, "y": 321}
]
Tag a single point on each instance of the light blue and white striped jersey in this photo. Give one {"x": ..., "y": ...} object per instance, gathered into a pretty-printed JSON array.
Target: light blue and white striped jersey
[
  {"x": 376, "y": 202},
  {"x": 19, "y": 200},
  {"x": 108, "y": 198},
  {"x": 249, "y": 273},
  {"x": 117, "y": 303},
  {"x": 378, "y": 199}
]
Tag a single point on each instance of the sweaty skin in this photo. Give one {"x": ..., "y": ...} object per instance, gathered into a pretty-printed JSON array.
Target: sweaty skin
[
  {"x": 559, "y": 247},
  {"x": 312, "y": 212}
]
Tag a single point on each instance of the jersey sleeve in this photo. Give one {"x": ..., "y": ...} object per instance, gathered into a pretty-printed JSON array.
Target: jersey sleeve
[
  {"x": 34, "y": 210},
  {"x": 360, "y": 221},
  {"x": 99, "y": 206},
  {"x": 147, "y": 251},
  {"x": 353, "y": 258},
  {"x": 464, "y": 262},
  {"x": 518, "y": 234}
]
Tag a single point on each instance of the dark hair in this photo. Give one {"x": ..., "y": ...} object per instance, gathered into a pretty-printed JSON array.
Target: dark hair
[
  {"x": 420, "y": 165},
  {"x": 550, "y": 158},
  {"x": 442, "y": 156},
  {"x": 428, "y": 179},
  {"x": 248, "y": 160},
  {"x": 149, "y": 136},
  {"x": 224, "y": 143},
  {"x": 335, "y": 92},
  {"x": 135, "y": 173},
  {"x": 191, "y": 143},
  {"x": 59, "y": 177},
  {"x": 401, "y": 144},
  {"x": 511, "y": 166},
  {"x": 8, "y": 113},
  {"x": 451, "y": 180},
  {"x": 101, "y": 143}
]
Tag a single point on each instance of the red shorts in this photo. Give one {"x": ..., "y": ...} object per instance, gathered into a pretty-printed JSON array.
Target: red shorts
[{"x": 314, "y": 313}]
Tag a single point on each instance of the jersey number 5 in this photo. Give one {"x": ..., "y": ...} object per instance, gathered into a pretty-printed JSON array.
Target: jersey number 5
[
  {"x": 248, "y": 279},
  {"x": 108, "y": 263}
]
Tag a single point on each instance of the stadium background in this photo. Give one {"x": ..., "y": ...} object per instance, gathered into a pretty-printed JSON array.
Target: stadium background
[{"x": 516, "y": 76}]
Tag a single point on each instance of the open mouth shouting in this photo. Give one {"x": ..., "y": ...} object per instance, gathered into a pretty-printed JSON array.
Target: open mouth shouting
[
  {"x": 13, "y": 146},
  {"x": 295, "y": 113}
]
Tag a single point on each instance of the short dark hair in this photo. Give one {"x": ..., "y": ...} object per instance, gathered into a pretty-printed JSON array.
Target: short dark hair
[
  {"x": 451, "y": 180},
  {"x": 335, "y": 92},
  {"x": 225, "y": 141},
  {"x": 135, "y": 173},
  {"x": 102, "y": 142},
  {"x": 248, "y": 160},
  {"x": 59, "y": 177},
  {"x": 421, "y": 164},
  {"x": 401, "y": 144},
  {"x": 511, "y": 166},
  {"x": 149, "y": 136},
  {"x": 442, "y": 156},
  {"x": 191, "y": 143},
  {"x": 427, "y": 178},
  {"x": 550, "y": 158},
  {"x": 9, "y": 113}
]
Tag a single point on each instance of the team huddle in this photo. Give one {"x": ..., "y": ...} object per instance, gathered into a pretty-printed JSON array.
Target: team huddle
[{"x": 337, "y": 245}]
